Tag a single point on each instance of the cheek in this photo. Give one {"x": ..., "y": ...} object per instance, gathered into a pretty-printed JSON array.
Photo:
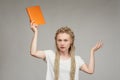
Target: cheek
[
  {"x": 57, "y": 44},
  {"x": 69, "y": 44}
]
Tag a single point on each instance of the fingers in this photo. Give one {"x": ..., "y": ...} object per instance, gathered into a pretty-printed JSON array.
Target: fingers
[
  {"x": 99, "y": 44},
  {"x": 33, "y": 24}
]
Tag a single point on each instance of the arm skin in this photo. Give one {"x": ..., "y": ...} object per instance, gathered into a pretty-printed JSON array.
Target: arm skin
[
  {"x": 89, "y": 68},
  {"x": 33, "y": 48}
]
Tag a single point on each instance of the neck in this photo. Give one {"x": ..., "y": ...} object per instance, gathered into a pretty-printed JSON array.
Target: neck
[{"x": 64, "y": 55}]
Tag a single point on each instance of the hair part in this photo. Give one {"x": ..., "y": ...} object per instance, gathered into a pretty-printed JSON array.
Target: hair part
[{"x": 71, "y": 51}]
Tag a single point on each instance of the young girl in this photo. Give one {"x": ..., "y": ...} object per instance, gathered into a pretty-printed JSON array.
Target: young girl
[{"x": 63, "y": 64}]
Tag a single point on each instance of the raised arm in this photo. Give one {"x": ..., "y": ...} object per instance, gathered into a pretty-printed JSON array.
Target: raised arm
[
  {"x": 33, "y": 48},
  {"x": 89, "y": 68}
]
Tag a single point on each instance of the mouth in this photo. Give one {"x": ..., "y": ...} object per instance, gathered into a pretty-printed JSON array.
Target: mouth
[{"x": 62, "y": 47}]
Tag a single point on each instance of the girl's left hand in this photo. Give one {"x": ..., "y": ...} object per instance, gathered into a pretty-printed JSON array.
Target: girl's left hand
[{"x": 97, "y": 46}]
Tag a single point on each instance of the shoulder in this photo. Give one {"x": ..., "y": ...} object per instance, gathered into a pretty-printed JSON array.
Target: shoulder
[
  {"x": 77, "y": 57},
  {"x": 49, "y": 53},
  {"x": 79, "y": 60}
]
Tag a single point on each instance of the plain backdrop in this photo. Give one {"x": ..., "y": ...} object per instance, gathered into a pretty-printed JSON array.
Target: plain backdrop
[{"x": 91, "y": 20}]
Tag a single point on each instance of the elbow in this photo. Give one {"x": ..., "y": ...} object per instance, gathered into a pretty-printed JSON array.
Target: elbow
[
  {"x": 90, "y": 72},
  {"x": 32, "y": 53}
]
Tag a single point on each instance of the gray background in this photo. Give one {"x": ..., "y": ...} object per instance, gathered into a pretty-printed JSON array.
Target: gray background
[{"x": 91, "y": 20}]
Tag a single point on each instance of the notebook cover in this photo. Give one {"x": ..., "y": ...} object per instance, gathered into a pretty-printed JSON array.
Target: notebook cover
[{"x": 35, "y": 13}]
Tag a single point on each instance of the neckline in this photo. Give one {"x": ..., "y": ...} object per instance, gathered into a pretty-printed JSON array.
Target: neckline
[{"x": 64, "y": 60}]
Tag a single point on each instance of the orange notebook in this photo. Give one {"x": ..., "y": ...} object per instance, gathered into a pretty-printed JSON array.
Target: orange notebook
[{"x": 35, "y": 13}]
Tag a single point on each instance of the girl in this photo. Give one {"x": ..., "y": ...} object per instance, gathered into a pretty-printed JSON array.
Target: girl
[{"x": 63, "y": 64}]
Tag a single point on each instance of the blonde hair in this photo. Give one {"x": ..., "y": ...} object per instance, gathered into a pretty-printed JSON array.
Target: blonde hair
[{"x": 71, "y": 51}]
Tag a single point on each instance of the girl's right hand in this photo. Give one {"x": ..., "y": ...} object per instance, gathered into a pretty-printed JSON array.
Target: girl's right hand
[{"x": 34, "y": 27}]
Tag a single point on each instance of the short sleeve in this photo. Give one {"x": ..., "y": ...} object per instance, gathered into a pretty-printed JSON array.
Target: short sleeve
[
  {"x": 80, "y": 61},
  {"x": 49, "y": 55}
]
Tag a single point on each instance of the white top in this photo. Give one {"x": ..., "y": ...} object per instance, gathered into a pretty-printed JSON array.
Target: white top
[{"x": 64, "y": 72}]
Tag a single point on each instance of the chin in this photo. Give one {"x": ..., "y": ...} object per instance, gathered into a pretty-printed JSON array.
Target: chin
[{"x": 62, "y": 50}]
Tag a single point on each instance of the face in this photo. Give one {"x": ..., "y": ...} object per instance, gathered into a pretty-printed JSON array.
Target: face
[{"x": 63, "y": 42}]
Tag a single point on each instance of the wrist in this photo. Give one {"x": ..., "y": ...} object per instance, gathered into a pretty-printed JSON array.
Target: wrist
[
  {"x": 92, "y": 52},
  {"x": 36, "y": 32}
]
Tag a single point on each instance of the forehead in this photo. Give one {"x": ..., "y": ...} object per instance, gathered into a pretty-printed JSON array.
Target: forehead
[{"x": 63, "y": 36}]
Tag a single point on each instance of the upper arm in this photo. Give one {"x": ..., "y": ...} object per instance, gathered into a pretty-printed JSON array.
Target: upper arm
[
  {"x": 39, "y": 54},
  {"x": 85, "y": 68}
]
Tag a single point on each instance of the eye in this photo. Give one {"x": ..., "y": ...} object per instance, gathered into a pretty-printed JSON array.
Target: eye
[
  {"x": 65, "y": 40},
  {"x": 59, "y": 40}
]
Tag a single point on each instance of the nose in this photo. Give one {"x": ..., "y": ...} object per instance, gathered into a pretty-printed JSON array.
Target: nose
[{"x": 62, "y": 43}]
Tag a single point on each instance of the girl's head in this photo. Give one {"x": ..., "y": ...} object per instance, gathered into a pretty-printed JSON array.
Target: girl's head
[{"x": 64, "y": 40}]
